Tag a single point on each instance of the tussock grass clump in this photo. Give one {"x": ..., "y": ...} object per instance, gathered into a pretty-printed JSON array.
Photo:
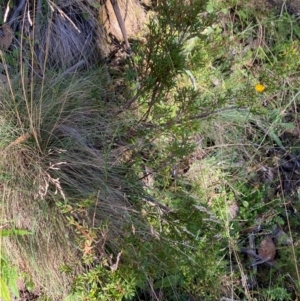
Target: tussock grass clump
[
  {"x": 69, "y": 36},
  {"x": 59, "y": 148},
  {"x": 57, "y": 34}
]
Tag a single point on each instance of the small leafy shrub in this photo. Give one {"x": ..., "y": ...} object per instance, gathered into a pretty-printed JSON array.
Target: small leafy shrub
[{"x": 100, "y": 283}]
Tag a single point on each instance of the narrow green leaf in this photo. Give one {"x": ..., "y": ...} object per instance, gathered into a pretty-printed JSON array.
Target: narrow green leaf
[
  {"x": 11, "y": 232},
  {"x": 275, "y": 138},
  {"x": 4, "y": 291},
  {"x": 288, "y": 125}
]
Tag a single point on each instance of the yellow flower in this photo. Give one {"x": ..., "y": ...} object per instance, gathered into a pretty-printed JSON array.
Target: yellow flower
[{"x": 259, "y": 88}]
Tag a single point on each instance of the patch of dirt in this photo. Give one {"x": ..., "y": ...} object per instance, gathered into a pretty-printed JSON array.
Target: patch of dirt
[{"x": 26, "y": 295}]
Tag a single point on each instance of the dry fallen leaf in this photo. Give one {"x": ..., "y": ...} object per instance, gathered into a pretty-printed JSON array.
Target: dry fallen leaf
[{"x": 267, "y": 249}]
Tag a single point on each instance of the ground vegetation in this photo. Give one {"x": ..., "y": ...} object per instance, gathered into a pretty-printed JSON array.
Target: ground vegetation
[{"x": 159, "y": 162}]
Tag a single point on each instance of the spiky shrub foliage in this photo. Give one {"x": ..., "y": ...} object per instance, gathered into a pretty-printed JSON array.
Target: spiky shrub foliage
[{"x": 248, "y": 122}]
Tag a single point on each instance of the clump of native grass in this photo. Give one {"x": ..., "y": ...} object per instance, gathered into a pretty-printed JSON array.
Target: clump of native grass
[
  {"x": 62, "y": 149},
  {"x": 62, "y": 146},
  {"x": 56, "y": 34},
  {"x": 67, "y": 34}
]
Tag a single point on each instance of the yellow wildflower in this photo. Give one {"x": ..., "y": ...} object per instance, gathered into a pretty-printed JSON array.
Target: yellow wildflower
[{"x": 259, "y": 88}]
